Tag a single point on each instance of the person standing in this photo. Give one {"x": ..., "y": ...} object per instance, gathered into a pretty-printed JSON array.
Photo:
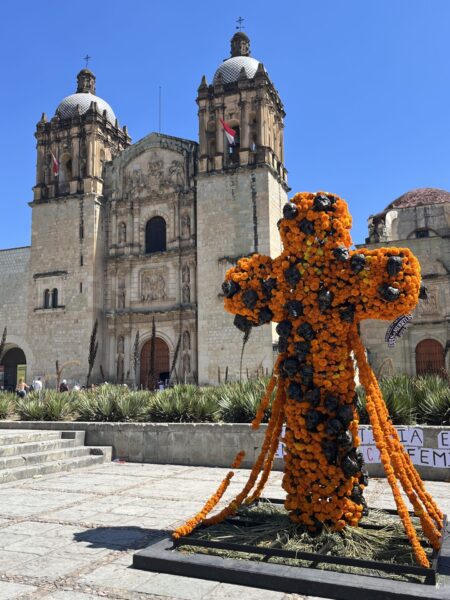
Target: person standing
[{"x": 64, "y": 387}]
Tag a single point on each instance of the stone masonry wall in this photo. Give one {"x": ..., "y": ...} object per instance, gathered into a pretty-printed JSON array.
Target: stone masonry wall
[{"x": 237, "y": 214}]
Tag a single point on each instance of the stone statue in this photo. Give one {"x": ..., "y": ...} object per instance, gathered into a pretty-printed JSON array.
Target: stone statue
[
  {"x": 185, "y": 274},
  {"x": 186, "y": 363},
  {"x": 186, "y": 294},
  {"x": 185, "y": 226},
  {"x": 120, "y": 344},
  {"x": 122, "y": 233},
  {"x": 176, "y": 174},
  {"x": 186, "y": 340}
]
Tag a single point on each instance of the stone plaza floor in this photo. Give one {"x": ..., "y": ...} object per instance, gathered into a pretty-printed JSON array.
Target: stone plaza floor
[{"x": 71, "y": 536}]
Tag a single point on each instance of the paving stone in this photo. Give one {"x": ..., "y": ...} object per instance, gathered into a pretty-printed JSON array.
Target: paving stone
[
  {"x": 29, "y": 528},
  {"x": 43, "y": 567},
  {"x": 10, "y": 560},
  {"x": 111, "y": 577},
  {"x": 71, "y": 595},
  {"x": 226, "y": 591},
  {"x": 10, "y": 591},
  {"x": 185, "y": 588}
]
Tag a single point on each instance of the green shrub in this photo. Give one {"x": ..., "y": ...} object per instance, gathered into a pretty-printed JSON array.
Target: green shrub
[
  {"x": 46, "y": 405},
  {"x": 398, "y": 394},
  {"x": 132, "y": 406},
  {"x": 6, "y": 404},
  {"x": 112, "y": 403},
  {"x": 238, "y": 402},
  {"x": 30, "y": 409},
  {"x": 183, "y": 404},
  {"x": 432, "y": 396}
]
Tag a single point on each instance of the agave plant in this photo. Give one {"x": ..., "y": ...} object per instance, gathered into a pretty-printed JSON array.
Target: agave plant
[
  {"x": 6, "y": 404},
  {"x": 58, "y": 407},
  {"x": 398, "y": 394},
  {"x": 131, "y": 406},
  {"x": 432, "y": 400},
  {"x": 238, "y": 402},
  {"x": 182, "y": 404},
  {"x": 30, "y": 408}
]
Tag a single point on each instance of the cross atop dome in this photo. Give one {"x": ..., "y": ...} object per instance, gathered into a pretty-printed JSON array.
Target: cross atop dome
[{"x": 240, "y": 44}]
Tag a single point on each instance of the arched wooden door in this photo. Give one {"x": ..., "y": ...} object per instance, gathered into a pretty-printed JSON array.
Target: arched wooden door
[
  {"x": 162, "y": 364},
  {"x": 429, "y": 357}
]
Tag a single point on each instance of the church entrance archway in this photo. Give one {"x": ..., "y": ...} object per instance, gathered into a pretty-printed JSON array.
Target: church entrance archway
[
  {"x": 14, "y": 366},
  {"x": 162, "y": 364},
  {"x": 429, "y": 357}
]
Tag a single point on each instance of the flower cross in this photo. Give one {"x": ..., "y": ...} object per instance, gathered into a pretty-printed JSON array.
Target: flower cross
[{"x": 317, "y": 291}]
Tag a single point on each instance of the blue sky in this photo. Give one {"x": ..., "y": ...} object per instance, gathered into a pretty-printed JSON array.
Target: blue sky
[{"x": 365, "y": 84}]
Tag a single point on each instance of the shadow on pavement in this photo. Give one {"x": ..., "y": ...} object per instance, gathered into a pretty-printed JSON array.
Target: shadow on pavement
[{"x": 119, "y": 538}]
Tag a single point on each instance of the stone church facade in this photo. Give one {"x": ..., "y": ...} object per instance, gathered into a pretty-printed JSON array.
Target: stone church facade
[{"x": 139, "y": 236}]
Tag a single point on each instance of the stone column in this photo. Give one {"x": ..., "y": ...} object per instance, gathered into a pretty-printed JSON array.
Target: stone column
[
  {"x": 245, "y": 126},
  {"x": 219, "y": 129},
  {"x": 202, "y": 133}
]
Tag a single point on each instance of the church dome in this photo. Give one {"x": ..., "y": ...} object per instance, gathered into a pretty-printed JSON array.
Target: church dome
[
  {"x": 420, "y": 197},
  {"x": 79, "y": 103},
  {"x": 231, "y": 68}
]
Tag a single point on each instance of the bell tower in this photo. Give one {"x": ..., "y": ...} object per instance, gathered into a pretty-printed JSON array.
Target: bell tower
[
  {"x": 241, "y": 189},
  {"x": 68, "y": 227}
]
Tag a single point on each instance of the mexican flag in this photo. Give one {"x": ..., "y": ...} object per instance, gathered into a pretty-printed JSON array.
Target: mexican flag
[
  {"x": 230, "y": 133},
  {"x": 55, "y": 165}
]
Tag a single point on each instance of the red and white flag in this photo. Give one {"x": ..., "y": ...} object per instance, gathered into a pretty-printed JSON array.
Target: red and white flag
[
  {"x": 230, "y": 133},
  {"x": 55, "y": 165}
]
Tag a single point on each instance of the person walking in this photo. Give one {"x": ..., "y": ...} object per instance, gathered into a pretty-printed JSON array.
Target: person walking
[
  {"x": 37, "y": 384},
  {"x": 22, "y": 388}
]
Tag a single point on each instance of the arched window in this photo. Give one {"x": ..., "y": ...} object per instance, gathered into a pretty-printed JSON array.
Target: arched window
[
  {"x": 54, "y": 298},
  {"x": 47, "y": 299},
  {"x": 155, "y": 235}
]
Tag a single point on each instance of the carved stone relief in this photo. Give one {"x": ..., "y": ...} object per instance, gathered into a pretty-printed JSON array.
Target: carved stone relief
[
  {"x": 153, "y": 286},
  {"x": 430, "y": 306}
]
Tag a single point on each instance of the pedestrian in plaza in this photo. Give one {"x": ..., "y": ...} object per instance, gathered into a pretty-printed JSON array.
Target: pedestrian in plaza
[
  {"x": 22, "y": 388},
  {"x": 37, "y": 384},
  {"x": 63, "y": 387}
]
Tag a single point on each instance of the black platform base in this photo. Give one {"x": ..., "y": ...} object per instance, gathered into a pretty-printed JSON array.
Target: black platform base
[{"x": 162, "y": 557}]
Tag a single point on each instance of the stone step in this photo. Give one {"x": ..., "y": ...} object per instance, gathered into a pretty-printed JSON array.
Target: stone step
[
  {"x": 36, "y": 458},
  {"x": 67, "y": 439},
  {"x": 19, "y": 436},
  {"x": 98, "y": 455}
]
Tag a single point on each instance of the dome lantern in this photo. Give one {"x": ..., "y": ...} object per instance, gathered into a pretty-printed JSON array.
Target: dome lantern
[
  {"x": 240, "y": 44},
  {"x": 85, "y": 82}
]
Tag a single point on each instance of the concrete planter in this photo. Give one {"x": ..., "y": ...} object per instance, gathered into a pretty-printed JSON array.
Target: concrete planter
[{"x": 216, "y": 444}]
